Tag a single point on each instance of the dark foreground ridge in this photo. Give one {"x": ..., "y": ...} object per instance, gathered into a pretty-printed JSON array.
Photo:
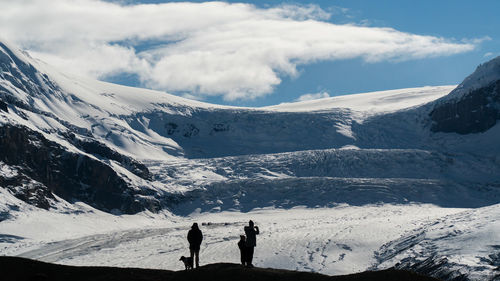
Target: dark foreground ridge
[{"x": 21, "y": 269}]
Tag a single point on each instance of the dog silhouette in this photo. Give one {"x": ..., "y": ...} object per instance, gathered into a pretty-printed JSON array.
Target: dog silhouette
[{"x": 188, "y": 262}]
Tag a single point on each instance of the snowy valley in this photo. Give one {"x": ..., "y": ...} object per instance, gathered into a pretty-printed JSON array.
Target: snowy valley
[{"x": 93, "y": 173}]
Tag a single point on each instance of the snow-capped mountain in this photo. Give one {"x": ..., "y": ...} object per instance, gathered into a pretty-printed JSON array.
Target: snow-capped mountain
[
  {"x": 474, "y": 106},
  {"x": 72, "y": 145}
]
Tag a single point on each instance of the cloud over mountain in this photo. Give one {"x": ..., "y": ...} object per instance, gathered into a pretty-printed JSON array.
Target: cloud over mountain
[
  {"x": 313, "y": 96},
  {"x": 238, "y": 51}
]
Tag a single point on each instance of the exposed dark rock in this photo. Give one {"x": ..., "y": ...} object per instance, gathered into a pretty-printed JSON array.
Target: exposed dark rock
[
  {"x": 493, "y": 258},
  {"x": 99, "y": 149},
  {"x": 438, "y": 267},
  {"x": 475, "y": 112},
  {"x": 171, "y": 128},
  {"x": 28, "y": 190},
  {"x": 190, "y": 131},
  {"x": 220, "y": 127},
  {"x": 7, "y": 238},
  {"x": 3, "y": 106},
  {"x": 71, "y": 176},
  {"x": 95, "y": 147},
  {"x": 4, "y": 215},
  {"x": 23, "y": 270},
  {"x": 186, "y": 130}
]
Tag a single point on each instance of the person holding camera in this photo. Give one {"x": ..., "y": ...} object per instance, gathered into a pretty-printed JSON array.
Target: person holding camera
[{"x": 251, "y": 232}]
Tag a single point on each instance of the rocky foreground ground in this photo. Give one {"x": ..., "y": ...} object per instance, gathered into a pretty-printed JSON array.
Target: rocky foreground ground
[{"x": 20, "y": 269}]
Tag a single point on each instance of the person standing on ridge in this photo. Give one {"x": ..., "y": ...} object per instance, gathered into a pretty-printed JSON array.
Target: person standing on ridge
[
  {"x": 242, "y": 247},
  {"x": 251, "y": 231},
  {"x": 194, "y": 238}
]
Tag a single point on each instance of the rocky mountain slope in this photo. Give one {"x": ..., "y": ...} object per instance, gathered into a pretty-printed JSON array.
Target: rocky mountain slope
[{"x": 474, "y": 106}]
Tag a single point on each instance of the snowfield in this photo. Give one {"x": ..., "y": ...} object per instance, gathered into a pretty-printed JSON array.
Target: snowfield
[
  {"x": 338, "y": 240},
  {"x": 465, "y": 243},
  {"x": 337, "y": 185},
  {"x": 327, "y": 240}
]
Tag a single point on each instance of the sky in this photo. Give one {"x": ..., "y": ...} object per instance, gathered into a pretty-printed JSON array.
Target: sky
[{"x": 258, "y": 53}]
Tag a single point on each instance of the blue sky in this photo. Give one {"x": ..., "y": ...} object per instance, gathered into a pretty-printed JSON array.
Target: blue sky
[{"x": 261, "y": 54}]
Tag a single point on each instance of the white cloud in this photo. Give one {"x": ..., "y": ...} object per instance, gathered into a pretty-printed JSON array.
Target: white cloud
[
  {"x": 238, "y": 51},
  {"x": 315, "y": 96},
  {"x": 488, "y": 54}
]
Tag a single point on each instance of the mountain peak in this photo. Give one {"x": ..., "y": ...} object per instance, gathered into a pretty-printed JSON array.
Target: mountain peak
[
  {"x": 485, "y": 74},
  {"x": 472, "y": 107}
]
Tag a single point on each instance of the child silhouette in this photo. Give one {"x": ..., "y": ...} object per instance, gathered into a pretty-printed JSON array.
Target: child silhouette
[{"x": 242, "y": 246}]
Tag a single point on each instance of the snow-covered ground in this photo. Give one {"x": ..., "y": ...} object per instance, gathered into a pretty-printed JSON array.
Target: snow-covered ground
[
  {"x": 466, "y": 243},
  {"x": 337, "y": 240}
]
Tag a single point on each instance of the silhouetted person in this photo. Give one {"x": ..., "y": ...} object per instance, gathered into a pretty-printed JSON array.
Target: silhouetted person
[
  {"x": 194, "y": 238},
  {"x": 251, "y": 231},
  {"x": 242, "y": 246}
]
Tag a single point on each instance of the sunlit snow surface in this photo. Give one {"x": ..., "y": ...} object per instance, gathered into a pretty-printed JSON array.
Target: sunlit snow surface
[
  {"x": 339, "y": 240},
  {"x": 335, "y": 240},
  {"x": 337, "y": 185}
]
